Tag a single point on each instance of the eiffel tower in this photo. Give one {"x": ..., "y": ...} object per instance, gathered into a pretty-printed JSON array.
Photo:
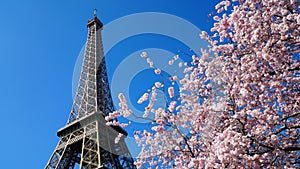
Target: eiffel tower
[{"x": 86, "y": 141}]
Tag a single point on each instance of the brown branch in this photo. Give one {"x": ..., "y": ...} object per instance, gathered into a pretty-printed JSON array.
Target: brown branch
[
  {"x": 185, "y": 140},
  {"x": 281, "y": 71},
  {"x": 292, "y": 148},
  {"x": 272, "y": 162},
  {"x": 292, "y": 115}
]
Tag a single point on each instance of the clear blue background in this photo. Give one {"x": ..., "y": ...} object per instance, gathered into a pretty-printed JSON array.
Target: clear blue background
[{"x": 39, "y": 45}]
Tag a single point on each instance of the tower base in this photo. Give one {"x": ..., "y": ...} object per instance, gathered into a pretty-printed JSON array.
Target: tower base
[{"x": 90, "y": 143}]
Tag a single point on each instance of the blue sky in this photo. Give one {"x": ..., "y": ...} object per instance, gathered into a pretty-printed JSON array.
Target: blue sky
[{"x": 39, "y": 44}]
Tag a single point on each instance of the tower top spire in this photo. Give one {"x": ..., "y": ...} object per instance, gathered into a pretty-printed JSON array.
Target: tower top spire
[
  {"x": 95, "y": 21},
  {"x": 95, "y": 12}
]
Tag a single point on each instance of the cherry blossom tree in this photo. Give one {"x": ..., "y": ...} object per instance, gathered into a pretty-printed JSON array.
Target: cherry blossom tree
[{"x": 239, "y": 108}]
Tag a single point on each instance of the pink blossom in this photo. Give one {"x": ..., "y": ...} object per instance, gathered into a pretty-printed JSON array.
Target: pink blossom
[
  {"x": 180, "y": 64},
  {"x": 122, "y": 98},
  {"x": 157, "y": 71},
  {"x": 173, "y": 78},
  {"x": 217, "y": 18},
  {"x": 117, "y": 139},
  {"x": 171, "y": 92},
  {"x": 158, "y": 84},
  {"x": 172, "y": 106},
  {"x": 143, "y": 54},
  {"x": 143, "y": 98}
]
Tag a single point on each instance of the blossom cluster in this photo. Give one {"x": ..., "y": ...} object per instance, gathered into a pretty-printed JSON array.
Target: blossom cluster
[{"x": 239, "y": 108}]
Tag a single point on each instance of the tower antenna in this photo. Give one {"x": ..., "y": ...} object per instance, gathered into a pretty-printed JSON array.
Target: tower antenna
[{"x": 95, "y": 12}]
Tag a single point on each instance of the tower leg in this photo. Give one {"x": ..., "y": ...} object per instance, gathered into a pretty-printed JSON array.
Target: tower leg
[
  {"x": 61, "y": 157},
  {"x": 90, "y": 153}
]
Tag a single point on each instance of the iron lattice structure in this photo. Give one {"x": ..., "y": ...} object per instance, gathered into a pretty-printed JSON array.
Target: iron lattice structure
[{"x": 86, "y": 140}]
